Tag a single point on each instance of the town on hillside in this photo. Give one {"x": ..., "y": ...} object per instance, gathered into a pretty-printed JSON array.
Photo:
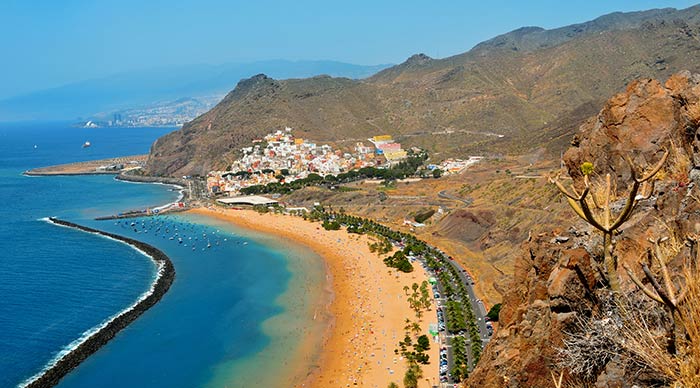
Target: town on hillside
[{"x": 280, "y": 157}]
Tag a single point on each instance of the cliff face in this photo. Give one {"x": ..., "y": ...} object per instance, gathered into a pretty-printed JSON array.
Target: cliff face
[
  {"x": 532, "y": 86},
  {"x": 558, "y": 282}
]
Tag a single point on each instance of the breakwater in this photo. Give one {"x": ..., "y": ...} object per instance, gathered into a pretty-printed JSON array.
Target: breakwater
[
  {"x": 102, "y": 334},
  {"x": 131, "y": 177},
  {"x": 92, "y": 167},
  {"x": 141, "y": 213}
]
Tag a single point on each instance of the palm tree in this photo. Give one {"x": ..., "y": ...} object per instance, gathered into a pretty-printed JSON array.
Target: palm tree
[{"x": 415, "y": 327}]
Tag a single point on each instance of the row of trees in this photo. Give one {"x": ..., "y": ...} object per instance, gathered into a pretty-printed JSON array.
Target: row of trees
[
  {"x": 454, "y": 290},
  {"x": 283, "y": 187},
  {"x": 447, "y": 275},
  {"x": 415, "y": 345},
  {"x": 460, "y": 367},
  {"x": 456, "y": 321},
  {"x": 418, "y": 298},
  {"x": 402, "y": 170}
]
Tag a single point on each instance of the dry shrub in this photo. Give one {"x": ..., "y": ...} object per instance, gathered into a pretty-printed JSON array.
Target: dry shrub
[
  {"x": 688, "y": 357},
  {"x": 588, "y": 348},
  {"x": 638, "y": 333}
]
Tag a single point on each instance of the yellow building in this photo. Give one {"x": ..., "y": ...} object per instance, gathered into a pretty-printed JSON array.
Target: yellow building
[
  {"x": 395, "y": 155},
  {"x": 383, "y": 138}
]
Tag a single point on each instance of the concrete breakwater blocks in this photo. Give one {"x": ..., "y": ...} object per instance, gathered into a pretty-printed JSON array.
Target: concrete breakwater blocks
[{"x": 166, "y": 274}]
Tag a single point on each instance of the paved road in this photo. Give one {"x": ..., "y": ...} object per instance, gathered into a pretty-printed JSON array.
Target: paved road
[
  {"x": 446, "y": 195},
  {"x": 479, "y": 313},
  {"x": 477, "y": 305}
]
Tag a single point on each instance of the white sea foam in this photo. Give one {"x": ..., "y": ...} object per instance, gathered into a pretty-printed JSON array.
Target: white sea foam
[{"x": 92, "y": 331}]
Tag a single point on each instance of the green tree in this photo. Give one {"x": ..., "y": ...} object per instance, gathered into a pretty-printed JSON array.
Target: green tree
[
  {"x": 413, "y": 374},
  {"x": 331, "y": 225},
  {"x": 415, "y": 327},
  {"x": 437, "y": 173},
  {"x": 423, "y": 343},
  {"x": 494, "y": 311}
]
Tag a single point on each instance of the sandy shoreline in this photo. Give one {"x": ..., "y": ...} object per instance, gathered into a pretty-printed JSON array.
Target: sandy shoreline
[{"x": 369, "y": 307}]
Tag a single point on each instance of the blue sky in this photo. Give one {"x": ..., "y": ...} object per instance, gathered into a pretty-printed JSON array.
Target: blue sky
[{"x": 46, "y": 43}]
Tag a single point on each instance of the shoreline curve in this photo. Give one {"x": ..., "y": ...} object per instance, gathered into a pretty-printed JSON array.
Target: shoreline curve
[{"x": 166, "y": 274}]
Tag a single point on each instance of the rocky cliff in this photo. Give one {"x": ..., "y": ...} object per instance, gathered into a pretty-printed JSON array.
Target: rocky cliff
[
  {"x": 559, "y": 283},
  {"x": 531, "y": 86}
]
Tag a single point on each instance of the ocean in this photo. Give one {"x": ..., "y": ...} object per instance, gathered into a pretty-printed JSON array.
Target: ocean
[{"x": 233, "y": 317}]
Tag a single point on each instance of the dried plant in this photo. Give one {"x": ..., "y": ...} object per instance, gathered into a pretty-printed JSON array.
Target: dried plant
[
  {"x": 599, "y": 213},
  {"x": 646, "y": 339},
  {"x": 588, "y": 347},
  {"x": 669, "y": 295},
  {"x": 636, "y": 329},
  {"x": 622, "y": 327}
]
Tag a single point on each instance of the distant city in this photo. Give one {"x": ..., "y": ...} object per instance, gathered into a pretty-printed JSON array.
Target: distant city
[{"x": 161, "y": 114}]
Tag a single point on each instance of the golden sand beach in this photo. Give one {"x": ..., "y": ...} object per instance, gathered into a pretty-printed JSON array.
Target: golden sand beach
[{"x": 369, "y": 307}]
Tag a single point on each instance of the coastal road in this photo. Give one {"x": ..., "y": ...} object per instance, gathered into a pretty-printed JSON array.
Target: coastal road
[
  {"x": 476, "y": 303},
  {"x": 477, "y": 307}
]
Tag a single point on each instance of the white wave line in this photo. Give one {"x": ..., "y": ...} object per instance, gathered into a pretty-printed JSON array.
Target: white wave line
[
  {"x": 96, "y": 329},
  {"x": 181, "y": 191}
]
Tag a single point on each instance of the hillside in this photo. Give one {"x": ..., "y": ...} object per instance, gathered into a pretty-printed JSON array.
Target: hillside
[
  {"x": 573, "y": 310},
  {"x": 532, "y": 86}
]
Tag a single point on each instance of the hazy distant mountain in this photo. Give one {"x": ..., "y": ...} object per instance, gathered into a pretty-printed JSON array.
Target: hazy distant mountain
[
  {"x": 522, "y": 90},
  {"x": 133, "y": 89}
]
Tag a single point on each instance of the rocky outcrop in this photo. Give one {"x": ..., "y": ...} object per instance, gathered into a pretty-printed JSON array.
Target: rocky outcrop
[{"x": 559, "y": 280}]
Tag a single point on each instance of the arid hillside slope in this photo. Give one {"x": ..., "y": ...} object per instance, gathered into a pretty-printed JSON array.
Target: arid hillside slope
[
  {"x": 561, "y": 286},
  {"x": 517, "y": 92}
]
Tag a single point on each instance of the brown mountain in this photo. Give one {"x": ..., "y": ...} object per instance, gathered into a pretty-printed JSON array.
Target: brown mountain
[
  {"x": 532, "y": 86},
  {"x": 559, "y": 291}
]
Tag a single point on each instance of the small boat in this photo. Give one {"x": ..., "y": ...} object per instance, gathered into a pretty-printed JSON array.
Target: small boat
[{"x": 86, "y": 144}]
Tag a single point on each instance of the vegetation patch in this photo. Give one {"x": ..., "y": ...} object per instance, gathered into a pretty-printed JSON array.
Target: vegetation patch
[{"x": 422, "y": 216}]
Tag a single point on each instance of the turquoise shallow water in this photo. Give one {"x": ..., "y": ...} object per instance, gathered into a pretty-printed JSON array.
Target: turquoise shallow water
[{"x": 57, "y": 283}]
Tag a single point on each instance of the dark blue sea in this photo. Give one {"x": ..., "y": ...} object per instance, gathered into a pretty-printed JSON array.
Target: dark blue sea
[{"x": 226, "y": 321}]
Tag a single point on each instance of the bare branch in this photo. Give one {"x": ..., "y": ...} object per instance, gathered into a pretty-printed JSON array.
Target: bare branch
[
  {"x": 641, "y": 286},
  {"x": 562, "y": 189},
  {"x": 589, "y": 215},
  {"x": 656, "y": 168},
  {"x": 664, "y": 273},
  {"x": 657, "y": 286},
  {"x": 629, "y": 206}
]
